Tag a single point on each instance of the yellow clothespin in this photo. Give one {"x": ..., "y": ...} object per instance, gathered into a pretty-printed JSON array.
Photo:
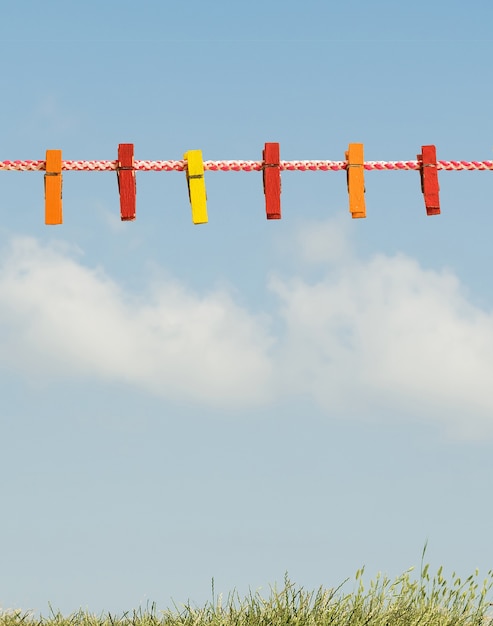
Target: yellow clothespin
[
  {"x": 53, "y": 187},
  {"x": 196, "y": 186},
  {"x": 356, "y": 180}
]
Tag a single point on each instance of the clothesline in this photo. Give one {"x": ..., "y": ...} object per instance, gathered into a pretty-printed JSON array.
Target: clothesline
[
  {"x": 271, "y": 167},
  {"x": 241, "y": 166}
]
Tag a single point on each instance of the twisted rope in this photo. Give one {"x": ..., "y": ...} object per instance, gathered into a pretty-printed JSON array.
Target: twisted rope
[{"x": 241, "y": 166}]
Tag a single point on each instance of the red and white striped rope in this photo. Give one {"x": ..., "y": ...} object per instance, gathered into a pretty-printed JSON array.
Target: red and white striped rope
[{"x": 242, "y": 166}]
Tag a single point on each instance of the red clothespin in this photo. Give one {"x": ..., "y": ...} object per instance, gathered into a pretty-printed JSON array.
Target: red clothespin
[
  {"x": 429, "y": 179},
  {"x": 272, "y": 180},
  {"x": 126, "y": 181}
]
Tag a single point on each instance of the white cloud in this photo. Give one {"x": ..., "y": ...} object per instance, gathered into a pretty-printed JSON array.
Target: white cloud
[
  {"x": 59, "y": 318},
  {"x": 368, "y": 338},
  {"x": 385, "y": 336}
]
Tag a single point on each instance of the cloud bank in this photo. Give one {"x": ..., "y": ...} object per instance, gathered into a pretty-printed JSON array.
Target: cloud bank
[
  {"x": 365, "y": 338},
  {"x": 60, "y": 318}
]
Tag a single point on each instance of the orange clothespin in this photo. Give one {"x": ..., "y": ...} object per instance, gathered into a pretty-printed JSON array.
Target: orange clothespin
[
  {"x": 53, "y": 187},
  {"x": 272, "y": 180},
  {"x": 194, "y": 169},
  {"x": 429, "y": 179},
  {"x": 126, "y": 181},
  {"x": 356, "y": 180}
]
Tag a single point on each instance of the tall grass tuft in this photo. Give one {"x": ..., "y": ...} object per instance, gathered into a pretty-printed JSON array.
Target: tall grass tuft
[{"x": 405, "y": 601}]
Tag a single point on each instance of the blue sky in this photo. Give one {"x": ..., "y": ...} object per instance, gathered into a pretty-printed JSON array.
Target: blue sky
[{"x": 244, "y": 398}]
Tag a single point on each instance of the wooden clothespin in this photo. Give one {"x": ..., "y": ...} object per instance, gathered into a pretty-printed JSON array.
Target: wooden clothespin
[
  {"x": 126, "y": 181},
  {"x": 272, "y": 180},
  {"x": 356, "y": 180},
  {"x": 194, "y": 168},
  {"x": 53, "y": 187},
  {"x": 429, "y": 179}
]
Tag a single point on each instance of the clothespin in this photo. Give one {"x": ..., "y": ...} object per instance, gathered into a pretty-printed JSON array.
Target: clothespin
[
  {"x": 272, "y": 180},
  {"x": 429, "y": 179},
  {"x": 356, "y": 180},
  {"x": 194, "y": 168},
  {"x": 53, "y": 187},
  {"x": 126, "y": 181}
]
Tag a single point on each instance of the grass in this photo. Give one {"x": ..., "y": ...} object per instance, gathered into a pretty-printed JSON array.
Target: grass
[{"x": 404, "y": 601}]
